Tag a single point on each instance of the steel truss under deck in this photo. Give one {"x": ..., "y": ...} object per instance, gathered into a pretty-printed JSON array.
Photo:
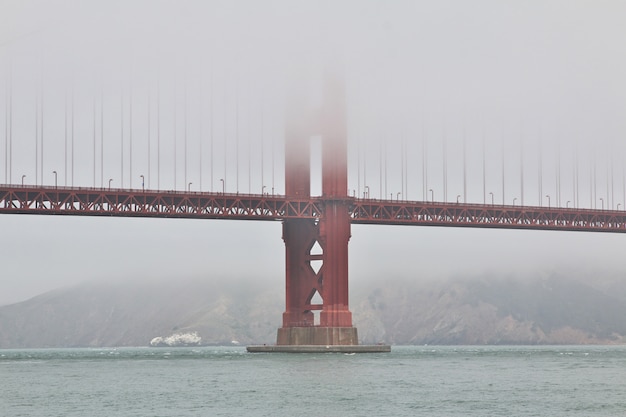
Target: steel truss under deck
[{"x": 173, "y": 204}]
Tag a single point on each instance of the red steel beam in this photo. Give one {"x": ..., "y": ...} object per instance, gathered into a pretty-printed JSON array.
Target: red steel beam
[
  {"x": 137, "y": 203},
  {"x": 486, "y": 216},
  {"x": 77, "y": 201}
]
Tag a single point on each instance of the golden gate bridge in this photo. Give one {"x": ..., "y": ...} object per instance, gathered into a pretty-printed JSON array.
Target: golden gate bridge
[{"x": 309, "y": 220}]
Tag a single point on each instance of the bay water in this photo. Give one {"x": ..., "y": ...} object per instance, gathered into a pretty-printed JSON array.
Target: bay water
[{"x": 228, "y": 381}]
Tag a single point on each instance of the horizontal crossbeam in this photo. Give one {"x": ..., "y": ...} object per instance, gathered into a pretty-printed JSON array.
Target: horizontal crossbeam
[{"x": 78, "y": 201}]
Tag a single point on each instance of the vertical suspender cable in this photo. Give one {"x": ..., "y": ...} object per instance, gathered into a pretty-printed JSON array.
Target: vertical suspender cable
[
  {"x": 607, "y": 182},
  {"x": 149, "y": 138},
  {"x": 40, "y": 93},
  {"x": 122, "y": 139},
  {"x": 595, "y": 181},
  {"x": 65, "y": 136},
  {"x": 130, "y": 135},
  {"x": 484, "y": 171},
  {"x": 365, "y": 187},
  {"x": 262, "y": 150},
  {"x": 577, "y": 178},
  {"x": 464, "y": 166},
  {"x": 612, "y": 181},
  {"x": 94, "y": 139},
  {"x": 158, "y": 133},
  {"x": 403, "y": 148},
  {"x": 503, "y": 196},
  {"x": 540, "y": 173},
  {"x": 272, "y": 160},
  {"x": 385, "y": 165},
  {"x": 424, "y": 163},
  {"x": 358, "y": 167},
  {"x": 72, "y": 133},
  {"x": 407, "y": 135},
  {"x": 249, "y": 147},
  {"x": 101, "y": 137},
  {"x": 445, "y": 166},
  {"x": 624, "y": 184},
  {"x": 6, "y": 129},
  {"x": 380, "y": 171},
  {"x": 201, "y": 136},
  {"x": 211, "y": 121},
  {"x": 225, "y": 141},
  {"x": 185, "y": 129},
  {"x": 41, "y": 102},
  {"x": 401, "y": 164},
  {"x": 406, "y": 169},
  {"x": 175, "y": 134},
  {"x": 575, "y": 175},
  {"x": 521, "y": 165},
  {"x": 237, "y": 138},
  {"x": 36, "y": 137},
  {"x": 558, "y": 175},
  {"x": 10, "y": 124},
  {"x": 249, "y": 143}
]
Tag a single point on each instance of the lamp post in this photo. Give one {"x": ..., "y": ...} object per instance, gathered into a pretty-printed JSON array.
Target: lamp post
[
  {"x": 55, "y": 178},
  {"x": 567, "y": 204},
  {"x": 432, "y": 195},
  {"x": 367, "y": 191},
  {"x": 457, "y": 198},
  {"x": 189, "y": 187},
  {"x": 548, "y": 197},
  {"x": 514, "y": 200},
  {"x": 263, "y": 190},
  {"x": 398, "y": 196},
  {"x": 110, "y": 179},
  {"x": 618, "y": 204},
  {"x": 142, "y": 183},
  {"x": 602, "y": 201},
  {"x": 223, "y": 186},
  {"x": 23, "y": 176},
  {"x": 491, "y": 194}
]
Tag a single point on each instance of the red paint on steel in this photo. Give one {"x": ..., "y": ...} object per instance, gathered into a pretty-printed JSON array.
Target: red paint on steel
[
  {"x": 332, "y": 230},
  {"x": 82, "y": 201},
  {"x": 299, "y": 235},
  {"x": 335, "y": 221},
  {"x": 138, "y": 203},
  {"x": 301, "y": 280}
]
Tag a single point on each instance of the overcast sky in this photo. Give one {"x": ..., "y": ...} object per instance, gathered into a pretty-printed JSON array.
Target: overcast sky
[{"x": 536, "y": 89}]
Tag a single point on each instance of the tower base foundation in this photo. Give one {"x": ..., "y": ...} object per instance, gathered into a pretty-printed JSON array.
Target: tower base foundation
[
  {"x": 316, "y": 335},
  {"x": 319, "y": 349},
  {"x": 317, "y": 339}
]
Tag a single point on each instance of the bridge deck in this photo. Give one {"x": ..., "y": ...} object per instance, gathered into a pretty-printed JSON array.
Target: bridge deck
[{"x": 175, "y": 204}]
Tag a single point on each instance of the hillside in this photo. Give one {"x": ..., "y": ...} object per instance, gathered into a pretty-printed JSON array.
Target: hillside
[{"x": 556, "y": 310}]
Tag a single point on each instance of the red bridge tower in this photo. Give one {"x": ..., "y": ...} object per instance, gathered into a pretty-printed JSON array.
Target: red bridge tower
[{"x": 332, "y": 232}]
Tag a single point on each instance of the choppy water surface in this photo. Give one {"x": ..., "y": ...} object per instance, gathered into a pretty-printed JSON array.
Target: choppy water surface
[{"x": 227, "y": 381}]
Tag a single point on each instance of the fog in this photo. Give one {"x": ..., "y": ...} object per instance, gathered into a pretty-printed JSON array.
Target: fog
[{"x": 516, "y": 103}]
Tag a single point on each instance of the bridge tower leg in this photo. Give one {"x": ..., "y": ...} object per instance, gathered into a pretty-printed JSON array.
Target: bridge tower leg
[{"x": 332, "y": 233}]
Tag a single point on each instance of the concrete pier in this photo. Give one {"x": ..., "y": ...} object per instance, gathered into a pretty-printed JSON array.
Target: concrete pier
[
  {"x": 317, "y": 335},
  {"x": 319, "y": 349}
]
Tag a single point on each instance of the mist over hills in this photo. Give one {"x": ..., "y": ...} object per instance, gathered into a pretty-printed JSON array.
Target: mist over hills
[{"x": 486, "y": 310}]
